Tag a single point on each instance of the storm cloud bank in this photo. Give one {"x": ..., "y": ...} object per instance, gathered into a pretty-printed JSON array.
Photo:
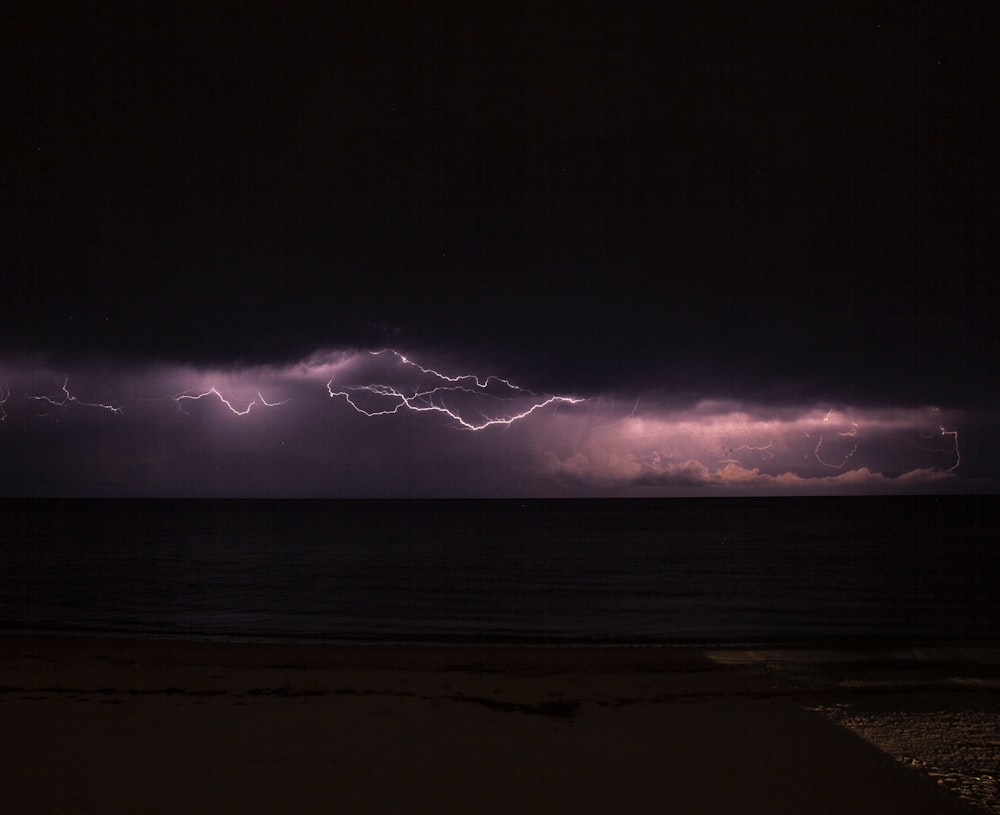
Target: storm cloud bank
[{"x": 379, "y": 423}]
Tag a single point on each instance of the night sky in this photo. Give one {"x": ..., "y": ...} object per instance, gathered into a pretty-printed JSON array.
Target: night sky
[{"x": 749, "y": 248}]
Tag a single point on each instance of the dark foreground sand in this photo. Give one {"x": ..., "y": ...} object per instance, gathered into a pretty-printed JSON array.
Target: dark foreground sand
[{"x": 109, "y": 726}]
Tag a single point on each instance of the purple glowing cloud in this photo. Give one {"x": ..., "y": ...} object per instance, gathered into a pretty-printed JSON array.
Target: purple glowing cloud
[
  {"x": 728, "y": 445},
  {"x": 379, "y": 423}
]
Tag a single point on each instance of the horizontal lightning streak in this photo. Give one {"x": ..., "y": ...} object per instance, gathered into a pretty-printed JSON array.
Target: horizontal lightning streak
[
  {"x": 423, "y": 402},
  {"x": 69, "y": 399},
  {"x": 265, "y": 403},
  {"x": 432, "y": 400},
  {"x": 430, "y": 371},
  {"x": 213, "y": 391},
  {"x": 764, "y": 449}
]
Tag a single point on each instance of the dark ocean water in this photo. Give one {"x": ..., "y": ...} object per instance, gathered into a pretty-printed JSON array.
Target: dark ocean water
[{"x": 610, "y": 571}]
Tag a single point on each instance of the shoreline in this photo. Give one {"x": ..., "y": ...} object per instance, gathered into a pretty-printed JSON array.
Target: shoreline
[
  {"x": 121, "y": 725},
  {"x": 833, "y": 642}
]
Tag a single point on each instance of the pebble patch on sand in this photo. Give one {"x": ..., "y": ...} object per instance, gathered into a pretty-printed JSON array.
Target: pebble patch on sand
[{"x": 959, "y": 749}]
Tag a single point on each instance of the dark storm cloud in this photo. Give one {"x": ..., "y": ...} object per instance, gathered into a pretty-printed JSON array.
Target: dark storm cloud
[{"x": 776, "y": 209}]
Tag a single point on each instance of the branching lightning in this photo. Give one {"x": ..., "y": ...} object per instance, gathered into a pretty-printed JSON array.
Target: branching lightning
[
  {"x": 437, "y": 397},
  {"x": 213, "y": 391},
  {"x": 69, "y": 399}
]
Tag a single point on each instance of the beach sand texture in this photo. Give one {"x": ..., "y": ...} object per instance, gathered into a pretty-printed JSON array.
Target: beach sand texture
[{"x": 115, "y": 726}]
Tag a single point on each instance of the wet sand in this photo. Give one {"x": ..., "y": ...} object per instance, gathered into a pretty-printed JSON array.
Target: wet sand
[{"x": 109, "y": 726}]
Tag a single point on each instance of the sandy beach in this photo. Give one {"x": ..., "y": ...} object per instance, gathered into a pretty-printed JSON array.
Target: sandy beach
[{"x": 109, "y": 726}]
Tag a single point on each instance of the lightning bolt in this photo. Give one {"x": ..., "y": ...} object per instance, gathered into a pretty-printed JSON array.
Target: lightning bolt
[
  {"x": 4, "y": 396},
  {"x": 631, "y": 414},
  {"x": 847, "y": 458},
  {"x": 444, "y": 377},
  {"x": 944, "y": 432},
  {"x": 958, "y": 454},
  {"x": 852, "y": 433},
  {"x": 265, "y": 403},
  {"x": 69, "y": 399},
  {"x": 763, "y": 449},
  {"x": 213, "y": 391},
  {"x": 435, "y": 399}
]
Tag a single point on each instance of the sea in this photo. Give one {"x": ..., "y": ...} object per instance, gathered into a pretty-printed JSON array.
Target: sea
[{"x": 569, "y": 572}]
